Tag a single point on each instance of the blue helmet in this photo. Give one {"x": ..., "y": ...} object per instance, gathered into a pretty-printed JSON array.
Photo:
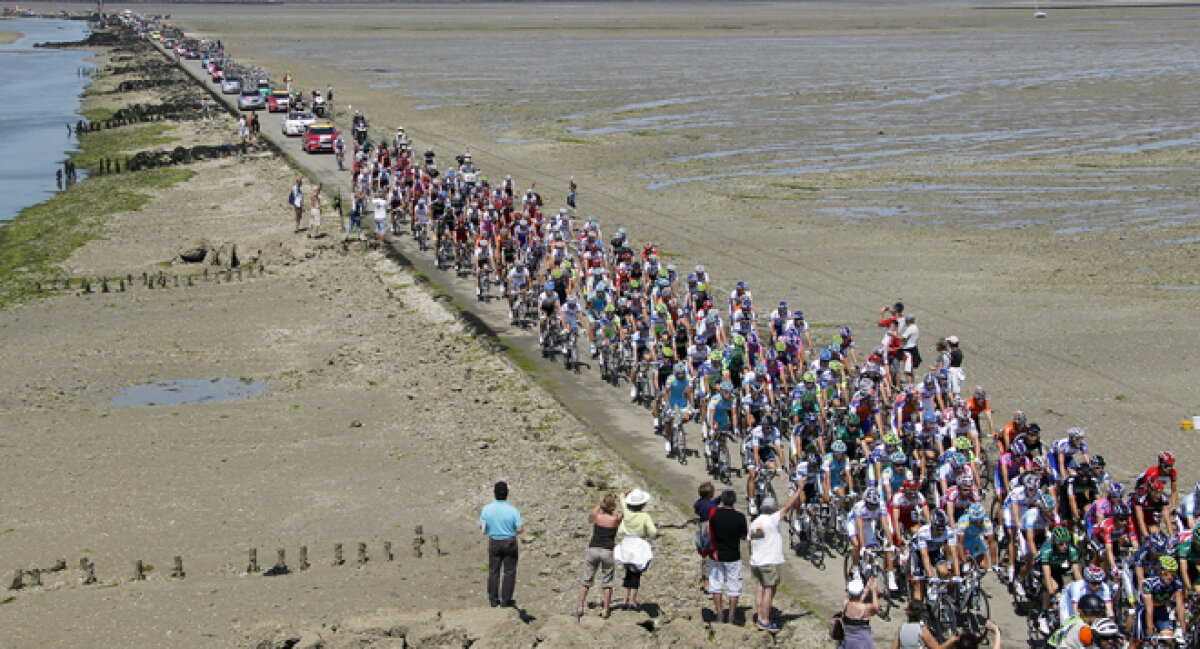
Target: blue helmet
[
  {"x": 1157, "y": 542},
  {"x": 810, "y": 419},
  {"x": 976, "y": 514},
  {"x": 826, "y": 355},
  {"x": 838, "y": 447},
  {"x": 549, "y": 286}
]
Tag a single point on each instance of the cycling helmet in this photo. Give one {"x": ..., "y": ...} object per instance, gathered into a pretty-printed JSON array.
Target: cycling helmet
[
  {"x": 1033, "y": 430},
  {"x": 799, "y": 315},
  {"x": 966, "y": 482},
  {"x": 1091, "y": 604},
  {"x": 811, "y": 419},
  {"x": 1167, "y": 458},
  {"x": 680, "y": 368},
  {"x": 1157, "y": 542},
  {"x": 1045, "y": 501},
  {"x": 958, "y": 460},
  {"x": 1020, "y": 419},
  {"x": 939, "y": 519},
  {"x": 826, "y": 355},
  {"x": 739, "y": 340},
  {"x": 891, "y": 439},
  {"x": 865, "y": 384},
  {"x": 726, "y": 386},
  {"x": 715, "y": 356},
  {"x": 663, "y": 282},
  {"x": 898, "y": 457},
  {"x": 930, "y": 380},
  {"x": 809, "y": 377},
  {"x": 871, "y": 496},
  {"x": 1041, "y": 462},
  {"x": 1105, "y": 628},
  {"x": 1169, "y": 564},
  {"x": 1116, "y": 490},
  {"x": 846, "y": 333},
  {"x": 1098, "y": 463},
  {"x": 838, "y": 447},
  {"x": 750, "y": 377},
  {"x": 852, "y": 420},
  {"x": 549, "y": 286},
  {"x": 1061, "y": 535},
  {"x": 976, "y": 514},
  {"x": 1076, "y": 434},
  {"x": 741, "y": 285},
  {"x": 908, "y": 427},
  {"x": 962, "y": 443},
  {"x": 980, "y": 394},
  {"x": 878, "y": 351},
  {"x": 756, "y": 386},
  {"x": 1018, "y": 448},
  {"x": 910, "y": 486},
  {"x": 1121, "y": 510},
  {"x": 1092, "y": 575}
]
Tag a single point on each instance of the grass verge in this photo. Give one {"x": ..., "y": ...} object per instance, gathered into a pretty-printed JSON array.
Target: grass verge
[{"x": 44, "y": 235}]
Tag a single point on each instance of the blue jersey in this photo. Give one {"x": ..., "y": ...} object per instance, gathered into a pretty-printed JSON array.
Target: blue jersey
[
  {"x": 836, "y": 468},
  {"x": 720, "y": 407},
  {"x": 677, "y": 391}
]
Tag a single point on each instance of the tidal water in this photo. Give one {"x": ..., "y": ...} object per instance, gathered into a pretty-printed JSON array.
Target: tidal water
[{"x": 42, "y": 88}]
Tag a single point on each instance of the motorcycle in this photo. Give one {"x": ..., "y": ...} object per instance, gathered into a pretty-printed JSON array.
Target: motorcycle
[{"x": 318, "y": 104}]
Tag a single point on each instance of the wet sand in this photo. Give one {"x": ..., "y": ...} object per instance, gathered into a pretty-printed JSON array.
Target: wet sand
[{"x": 9, "y": 36}]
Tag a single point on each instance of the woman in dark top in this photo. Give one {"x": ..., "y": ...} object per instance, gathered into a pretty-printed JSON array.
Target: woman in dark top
[
  {"x": 704, "y": 507},
  {"x": 605, "y": 521}
]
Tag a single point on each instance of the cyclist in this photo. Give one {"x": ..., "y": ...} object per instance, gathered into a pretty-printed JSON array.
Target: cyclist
[
  {"x": 1010, "y": 465},
  {"x": 1188, "y": 552},
  {"x": 979, "y": 406},
  {"x": 1035, "y": 528},
  {"x": 763, "y": 451},
  {"x": 678, "y": 394},
  {"x": 1058, "y": 560},
  {"x": 1018, "y": 501},
  {"x": 961, "y": 496},
  {"x": 548, "y": 306},
  {"x": 1189, "y": 511},
  {"x": 1158, "y": 594},
  {"x": 1114, "y": 536},
  {"x": 519, "y": 281},
  {"x": 907, "y": 508},
  {"x": 1072, "y": 600},
  {"x": 571, "y": 316},
  {"x": 1151, "y": 508},
  {"x": 835, "y": 469},
  {"x": 860, "y": 525},
  {"x": 1018, "y": 425},
  {"x": 1081, "y": 629},
  {"x": 722, "y": 415},
  {"x": 1144, "y": 563},
  {"x": 807, "y": 474},
  {"x": 1062, "y": 454},
  {"x": 893, "y": 476},
  {"x": 934, "y": 553},
  {"x": 977, "y": 539},
  {"x": 1164, "y": 471},
  {"x": 1076, "y": 493}
]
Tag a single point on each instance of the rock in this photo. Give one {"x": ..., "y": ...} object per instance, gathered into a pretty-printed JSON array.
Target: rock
[
  {"x": 394, "y": 623},
  {"x": 194, "y": 252}
]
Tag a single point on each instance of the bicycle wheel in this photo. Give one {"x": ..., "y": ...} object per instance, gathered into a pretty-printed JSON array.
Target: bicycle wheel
[
  {"x": 679, "y": 445},
  {"x": 977, "y": 613},
  {"x": 849, "y": 565},
  {"x": 723, "y": 464}
]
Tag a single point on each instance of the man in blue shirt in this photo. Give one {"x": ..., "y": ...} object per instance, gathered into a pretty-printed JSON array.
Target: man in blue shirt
[{"x": 502, "y": 523}]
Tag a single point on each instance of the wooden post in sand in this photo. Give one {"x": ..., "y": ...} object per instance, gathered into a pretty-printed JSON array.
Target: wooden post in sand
[
  {"x": 253, "y": 565},
  {"x": 362, "y": 553},
  {"x": 18, "y": 581},
  {"x": 337, "y": 554},
  {"x": 139, "y": 571},
  {"x": 89, "y": 571},
  {"x": 437, "y": 549},
  {"x": 177, "y": 572},
  {"x": 35, "y": 577},
  {"x": 303, "y": 563},
  {"x": 280, "y": 567},
  {"x": 387, "y": 551}
]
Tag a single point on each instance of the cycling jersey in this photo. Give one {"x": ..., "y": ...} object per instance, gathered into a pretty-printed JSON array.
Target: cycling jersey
[
  {"x": 720, "y": 406},
  {"x": 1161, "y": 593},
  {"x": 868, "y": 516},
  {"x": 1068, "y": 451},
  {"x": 961, "y": 498},
  {"x": 837, "y": 470},
  {"x": 935, "y": 547},
  {"x": 1108, "y": 531},
  {"x": 677, "y": 391},
  {"x": 1048, "y": 555},
  {"x": 571, "y": 314},
  {"x": 974, "y": 538},
  {"x": 1075, "y": 591},
  {"x": 906, "y": 507},
  {"x": 1190, "y": 506}
]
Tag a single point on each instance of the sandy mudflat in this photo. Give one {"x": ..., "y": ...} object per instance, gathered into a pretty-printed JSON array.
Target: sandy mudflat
[{"x": 9, "y": 36}]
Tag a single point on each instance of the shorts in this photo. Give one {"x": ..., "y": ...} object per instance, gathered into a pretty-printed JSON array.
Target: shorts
[
  {"x": 380, "y": 226},
  {"x": 767, "y": 576},
  {"x": 1009, "y": 521},
  {"x": 726, "y": 577},
  {"x": 314, "y": 216},
  {"x": 601, "y": 558},
  {"x": 1162, "y": 620},
  {"x": 974, "y": 547}
]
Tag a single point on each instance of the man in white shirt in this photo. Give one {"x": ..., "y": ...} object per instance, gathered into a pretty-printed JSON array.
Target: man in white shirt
[
  {"x": 766, "y": 556},
  {"x": 380, "y": 205},
  {"x": 910, "y": 335}
]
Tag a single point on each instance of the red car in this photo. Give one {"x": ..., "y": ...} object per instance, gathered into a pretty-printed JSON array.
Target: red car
[
  {"x": 278, "y": 100},
  {"x": 320, "y": 136}
]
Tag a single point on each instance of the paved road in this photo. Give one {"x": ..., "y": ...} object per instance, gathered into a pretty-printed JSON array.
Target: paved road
[{"x": 607, "y": 410}]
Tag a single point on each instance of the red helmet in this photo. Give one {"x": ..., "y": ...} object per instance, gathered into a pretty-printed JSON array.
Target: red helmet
[
  {"x": 649, "y": 246},
  {"x": 910, "y": 485},
  {"x": 1167, "y": 458}
]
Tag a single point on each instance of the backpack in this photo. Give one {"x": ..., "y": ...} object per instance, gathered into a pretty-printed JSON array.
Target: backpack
[{"x": 704, "y": 540}]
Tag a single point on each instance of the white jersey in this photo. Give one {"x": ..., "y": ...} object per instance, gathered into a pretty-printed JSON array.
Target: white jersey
[{"x": 571, "y": 314}]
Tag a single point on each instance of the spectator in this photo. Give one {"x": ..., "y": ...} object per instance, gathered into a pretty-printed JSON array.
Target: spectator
[
  {"x": 605, "y": 522},
  {"x": 913, "y": 634},
  {"x": 314, "y": 216},
  {"x": 766, "y": 556},
  {"x": 637, "y": 529},
  {"x": 956, "y": 373},
  {"x": 704, "y": 507},
  {"x": 296, "y": 200},
  {"x": 725, "y": 571},
  {"x": 858, "y": 608},
  {"x": 502, "y": 523}
]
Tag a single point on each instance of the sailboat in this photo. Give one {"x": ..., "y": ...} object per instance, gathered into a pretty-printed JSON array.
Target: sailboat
[{"x": 1037, "y": 12}]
